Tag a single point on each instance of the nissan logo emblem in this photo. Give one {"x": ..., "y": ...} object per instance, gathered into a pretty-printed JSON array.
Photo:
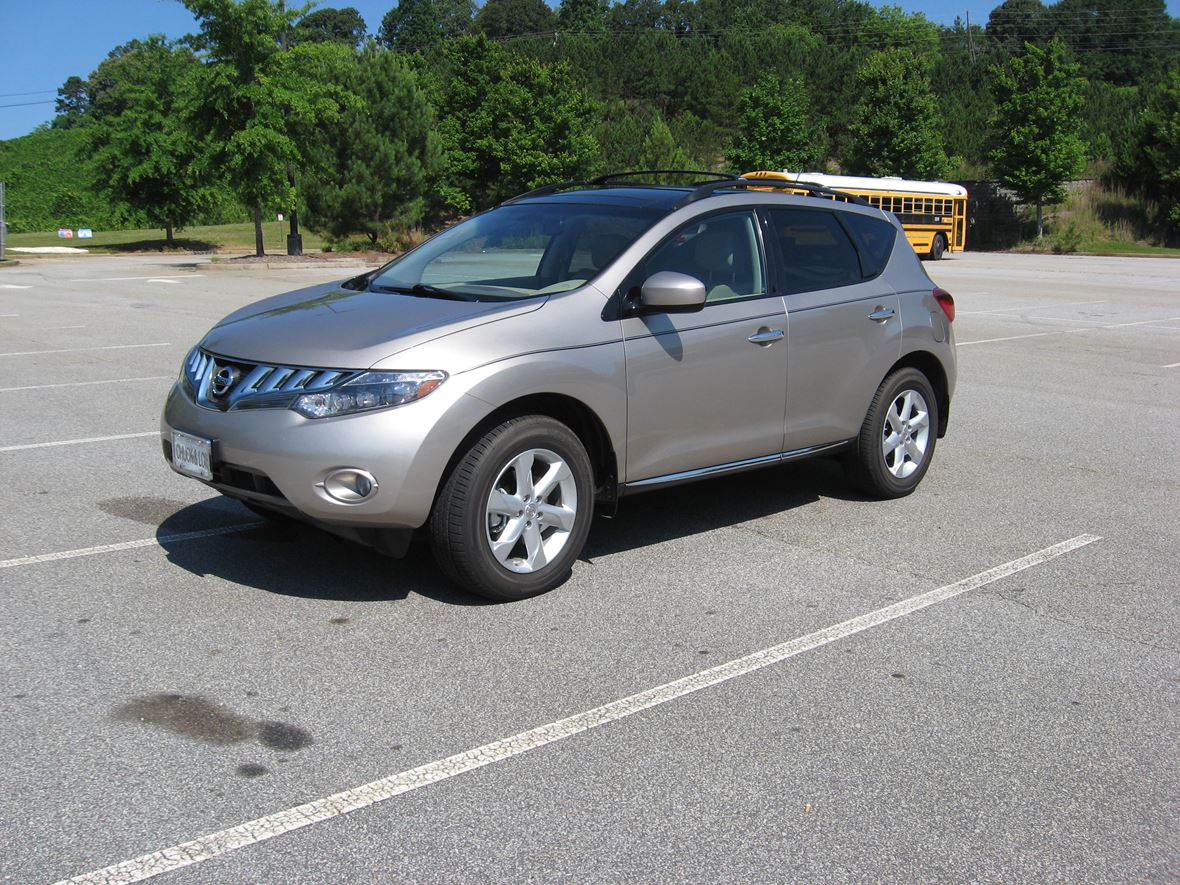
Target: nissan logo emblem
[{"x": 223, "y": 380}]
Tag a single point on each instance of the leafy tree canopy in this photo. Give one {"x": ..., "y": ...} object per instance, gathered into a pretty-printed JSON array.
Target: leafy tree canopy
[
  {"x": 510, "y": 18},
  {"x": 509, "y": 124},
  {"x": 776, "y": 129},
  {"x": 583, "y": 16},
  {"x": 423, "y": 24},
  {"x": 1161, "y": 150},
  {"x": 141, "y": 151},
  {"x": 896, "y": 127},
  {"x": 1034, "y": 129},
  {"x": 256, "y": 107},
  {"x": 344, "y": 25}
]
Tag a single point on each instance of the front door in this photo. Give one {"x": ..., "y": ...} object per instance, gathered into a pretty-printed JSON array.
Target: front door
[{"x": 707, "y": 389}]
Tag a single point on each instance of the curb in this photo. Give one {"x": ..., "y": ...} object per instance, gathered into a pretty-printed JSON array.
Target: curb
[{"x": 285, "y": 265}]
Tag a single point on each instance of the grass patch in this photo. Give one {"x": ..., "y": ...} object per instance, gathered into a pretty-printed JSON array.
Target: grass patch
[
  {"x": 206, "y": 238},
  {"x": 1099, "y": 219}
]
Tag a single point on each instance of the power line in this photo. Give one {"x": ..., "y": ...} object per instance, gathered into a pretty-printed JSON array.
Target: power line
[
  {"x": 25, "y": 104},
  {"x": 19, "y": 94}
]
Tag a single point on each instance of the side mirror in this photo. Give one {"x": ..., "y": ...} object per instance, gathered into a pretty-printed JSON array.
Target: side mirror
[{"x": 671, "y": 292}]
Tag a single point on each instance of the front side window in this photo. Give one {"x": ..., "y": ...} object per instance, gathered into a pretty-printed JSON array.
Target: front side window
[
  {"x": 517, "y": 251},
  {"x": 816, "y": 251},
  {"x": 721, "y": 251}
]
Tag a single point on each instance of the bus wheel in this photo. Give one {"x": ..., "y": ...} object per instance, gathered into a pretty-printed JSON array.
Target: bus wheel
[{"x": 938, "y": 247}]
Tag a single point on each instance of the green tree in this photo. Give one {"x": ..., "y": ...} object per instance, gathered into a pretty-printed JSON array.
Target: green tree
[
  {"x": 1034, "y": 129},
  {"x": 141, "y": 152},
  {"x": 896, "y": 126},
  {"x": 1160, "y": 146},
  {"x": 1014, "y": 23},
  {"x": 510, "y": 18},
  {"x": 371, "y": 172},
  {"x": 256, "y": 108},
  {"x": 776, "y": 130},
  {"x": 508, "y": 123},
  {"x": 73, "y": 100},
  {"x": 582, "y": 16},
  {"x": 423, "y": 24},
  {"x": 329, "y": 25}
]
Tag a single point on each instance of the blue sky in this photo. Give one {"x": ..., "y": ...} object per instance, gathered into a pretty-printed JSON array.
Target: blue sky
[{"x": 42, "y": 42}]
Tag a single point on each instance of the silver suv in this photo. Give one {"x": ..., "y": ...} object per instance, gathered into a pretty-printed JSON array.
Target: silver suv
[{"x": 570, "y": 347}]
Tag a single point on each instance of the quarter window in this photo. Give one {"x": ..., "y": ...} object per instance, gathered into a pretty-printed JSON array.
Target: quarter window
[{"x": 874, "y": 237}]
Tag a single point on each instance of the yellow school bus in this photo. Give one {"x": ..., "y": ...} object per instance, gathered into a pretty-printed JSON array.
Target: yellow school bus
[{"x": 933, "y": 214}]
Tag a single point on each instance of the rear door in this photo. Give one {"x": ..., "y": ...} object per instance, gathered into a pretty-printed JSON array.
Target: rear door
[{"x": 843, "y": 319}]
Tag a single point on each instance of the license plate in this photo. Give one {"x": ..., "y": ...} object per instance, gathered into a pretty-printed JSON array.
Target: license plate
[{"x": 192, "y": 455}]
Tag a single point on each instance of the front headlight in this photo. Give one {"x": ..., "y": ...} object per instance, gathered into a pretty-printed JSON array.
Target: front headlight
[{"x": 368, "y": 391}]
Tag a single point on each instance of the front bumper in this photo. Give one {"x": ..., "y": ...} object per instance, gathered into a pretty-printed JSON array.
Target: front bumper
[{"x": 276, "y": 457}]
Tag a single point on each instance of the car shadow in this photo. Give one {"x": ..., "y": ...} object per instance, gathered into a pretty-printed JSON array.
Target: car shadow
[{"x": 287, "y": 557}]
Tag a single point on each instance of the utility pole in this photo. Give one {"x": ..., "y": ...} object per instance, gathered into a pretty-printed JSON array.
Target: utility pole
[
  {"x": 294, "y": 239},
  {"x": 3, "y": 224},
  {"x": 970, "y": 39}
]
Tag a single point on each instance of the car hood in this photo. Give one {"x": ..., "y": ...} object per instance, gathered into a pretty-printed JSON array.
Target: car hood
[{"x": 330, "y": 327}]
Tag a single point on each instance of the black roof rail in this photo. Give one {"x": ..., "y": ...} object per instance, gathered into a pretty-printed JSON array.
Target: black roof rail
[
  {"x": 814, "y": 190},
  {"x": 613, "y": 177},
  {"x": 700, "y": 190},
  {"x": 545, "y": 189},
  {"x": 617, "y": 178}
]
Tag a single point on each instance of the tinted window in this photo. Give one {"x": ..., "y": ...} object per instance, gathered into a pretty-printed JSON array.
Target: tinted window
[
  {"x": 721, "y": 251},
  {"x": 874, "y": 237},
  {"x": 817, "y": 253}
]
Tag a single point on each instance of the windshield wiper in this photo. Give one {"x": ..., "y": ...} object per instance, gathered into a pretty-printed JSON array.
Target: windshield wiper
[{"x": 422, "y": 290}]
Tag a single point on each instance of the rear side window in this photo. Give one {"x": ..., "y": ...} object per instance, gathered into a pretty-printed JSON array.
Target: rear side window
[
  {"x": 816, "y": 251},
  {"x": 874, "y": 237}
]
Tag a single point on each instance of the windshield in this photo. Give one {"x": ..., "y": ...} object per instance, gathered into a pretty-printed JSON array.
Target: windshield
[{"x": 517, "y": 251}]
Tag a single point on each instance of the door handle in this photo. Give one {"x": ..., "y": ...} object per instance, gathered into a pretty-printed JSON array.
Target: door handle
[
  {"x": 881, "y": 314},
  {"x": 765, "y": 337}
]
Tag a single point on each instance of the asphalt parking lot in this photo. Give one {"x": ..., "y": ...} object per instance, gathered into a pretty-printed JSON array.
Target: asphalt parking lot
[{"x": 976, "y": 683}]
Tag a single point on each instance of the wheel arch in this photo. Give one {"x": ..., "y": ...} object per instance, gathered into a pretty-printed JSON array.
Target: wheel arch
[
  {"x": 572, "y": 412},
  {"x": 930, "y": 366}
]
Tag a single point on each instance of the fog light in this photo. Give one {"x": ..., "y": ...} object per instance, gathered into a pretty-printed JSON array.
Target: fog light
[{"x": 349, "y": 485}]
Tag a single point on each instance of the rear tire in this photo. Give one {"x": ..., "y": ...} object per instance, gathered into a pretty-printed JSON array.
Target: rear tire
[
  {"x": 938, "y": 248},
  {"x": 897, "y": 439},
  {"x": 514, "y": 513}
]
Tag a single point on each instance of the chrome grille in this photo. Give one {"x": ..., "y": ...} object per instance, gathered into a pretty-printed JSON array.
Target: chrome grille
[{"x": 221, "y": 383}]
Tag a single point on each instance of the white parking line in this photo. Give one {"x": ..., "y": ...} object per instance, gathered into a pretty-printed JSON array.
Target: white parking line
[
  {"x": 1172, "y": 366},
  {"x": 127, "y": 279},
  {"x": 12, "y": 286},
  {"x": 964, "y": 313},
  {"x": 348, "y": 801},
  {"x": 81, "y": 349},
  {"x": 1067, "y": 331},
  {"x": 129, "y": 545},
  {"x": 85, "y": 383},
  {"x": 76, "y": 442}
]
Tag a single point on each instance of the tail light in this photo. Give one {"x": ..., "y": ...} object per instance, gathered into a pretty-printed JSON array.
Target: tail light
[{"x": 946, "y": 302}]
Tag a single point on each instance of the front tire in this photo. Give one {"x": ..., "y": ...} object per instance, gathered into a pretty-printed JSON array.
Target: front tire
[
  {"x": 514, "y": 513},
  {"x": 897, "y": 439},
  {"x": 938, "y": 248}
]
